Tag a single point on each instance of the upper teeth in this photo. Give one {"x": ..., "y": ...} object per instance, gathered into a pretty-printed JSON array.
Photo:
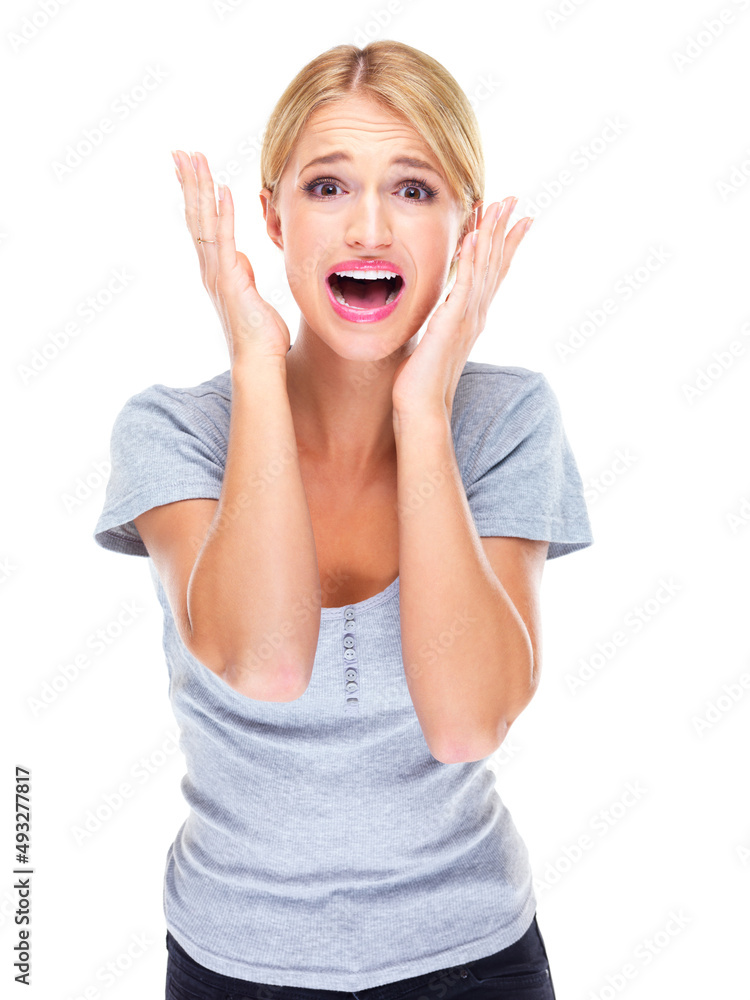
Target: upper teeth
[{"x": 366, "y": 274}]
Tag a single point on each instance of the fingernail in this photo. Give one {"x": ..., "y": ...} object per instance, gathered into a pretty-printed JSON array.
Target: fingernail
[
  {"x": 176, "y": 159},
  {"x": 527, "y": 227},
  {"x": 500, "y": 209},
  {"x": 194, "y": 161}
]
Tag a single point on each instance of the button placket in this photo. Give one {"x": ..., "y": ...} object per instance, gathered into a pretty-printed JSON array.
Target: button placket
[{"x": 351, "y": 679}]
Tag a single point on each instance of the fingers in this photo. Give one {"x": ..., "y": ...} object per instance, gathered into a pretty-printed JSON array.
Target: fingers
[
  {"x": 492, "y": 247},
  {"x": 226, "y": 250},
  {"x": 506, "y": 246},
  {"x": 207, "y": 214},
  {"x": 473, "y": 265},
  {"x": 510, "y": 246},
  {"x": 484, "y": 260},
  {"x": 190, "y": 192},
  {"x": 494, "y": 253},
  {"x": 200, "y": 208}
]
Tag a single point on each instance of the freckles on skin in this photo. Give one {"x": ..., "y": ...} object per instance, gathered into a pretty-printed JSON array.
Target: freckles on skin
[{"x": 369, "y": 215}]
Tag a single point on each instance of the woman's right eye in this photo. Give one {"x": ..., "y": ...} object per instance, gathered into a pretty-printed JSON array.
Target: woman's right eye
[{"x": 323, "y": 182}]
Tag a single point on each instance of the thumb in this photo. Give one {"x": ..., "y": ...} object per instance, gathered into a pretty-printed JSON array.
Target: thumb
[{"x": 247, "y": 267}]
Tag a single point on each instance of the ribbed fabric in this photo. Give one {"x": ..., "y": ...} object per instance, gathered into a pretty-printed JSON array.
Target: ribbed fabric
[{"x": 325, "y": 846}]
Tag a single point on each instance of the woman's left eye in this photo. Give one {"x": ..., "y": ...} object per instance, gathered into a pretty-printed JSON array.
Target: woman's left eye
[{"x": 418, "y": 186}]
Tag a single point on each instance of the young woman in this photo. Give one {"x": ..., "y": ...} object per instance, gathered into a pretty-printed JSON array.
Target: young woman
[{"x": 347, "y": 538}]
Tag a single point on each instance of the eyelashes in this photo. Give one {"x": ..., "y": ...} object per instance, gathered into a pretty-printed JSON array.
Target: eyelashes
[{"x": 413, "y": 182}]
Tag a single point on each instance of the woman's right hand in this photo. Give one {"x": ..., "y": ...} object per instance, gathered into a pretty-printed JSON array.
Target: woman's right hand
[{"x": 252, "y": 327}]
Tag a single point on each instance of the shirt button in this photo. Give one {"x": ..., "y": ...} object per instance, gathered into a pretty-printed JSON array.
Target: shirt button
[
  {"x": 351, "y": 686},
  {"x": 349, "y": 654},
  {"x": 349, "y": 613},
  {"x": 351, "y": 674},
  {"x": 349, "y": 641}
]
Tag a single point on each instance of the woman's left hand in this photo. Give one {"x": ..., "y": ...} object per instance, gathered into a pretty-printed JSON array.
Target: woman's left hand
[{"x": 426, "y": 381}]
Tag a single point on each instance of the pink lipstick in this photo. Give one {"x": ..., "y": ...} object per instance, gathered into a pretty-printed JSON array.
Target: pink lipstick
[{"x": 387, "y": 281}]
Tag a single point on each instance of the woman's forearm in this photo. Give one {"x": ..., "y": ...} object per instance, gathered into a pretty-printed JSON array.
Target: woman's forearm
[{"x": 254, "y": 593}]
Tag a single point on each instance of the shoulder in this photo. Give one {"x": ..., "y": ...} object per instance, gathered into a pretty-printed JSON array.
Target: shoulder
[
  {"x": 501, "y": 393},
  {"x": 502, "y": 412},
  {"x": 214, "y": 393},
  {"x": 199, "y": 409},
  {"x": 481, "y": 384}
]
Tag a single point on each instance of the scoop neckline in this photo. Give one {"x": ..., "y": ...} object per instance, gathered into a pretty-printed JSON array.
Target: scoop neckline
[{"x": 369, "y": 602}]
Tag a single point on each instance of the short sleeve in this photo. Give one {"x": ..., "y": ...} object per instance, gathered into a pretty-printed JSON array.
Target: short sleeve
[
  {"x": 163, "y": 448},
  {"x": 523, "y": 480}
]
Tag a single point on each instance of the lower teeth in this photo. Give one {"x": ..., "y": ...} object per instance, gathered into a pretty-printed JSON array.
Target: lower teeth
[{"x": 340, "y": 298}]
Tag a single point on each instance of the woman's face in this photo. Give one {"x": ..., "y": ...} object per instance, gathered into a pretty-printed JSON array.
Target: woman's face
[{"x": 364, "y": 207}]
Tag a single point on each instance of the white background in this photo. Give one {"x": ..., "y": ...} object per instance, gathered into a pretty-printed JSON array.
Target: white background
[{"x": 664, "y": 201}]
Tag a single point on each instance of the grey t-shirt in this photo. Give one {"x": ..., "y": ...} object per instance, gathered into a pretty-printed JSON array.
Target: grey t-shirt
[{"x": 325, "y": 846}]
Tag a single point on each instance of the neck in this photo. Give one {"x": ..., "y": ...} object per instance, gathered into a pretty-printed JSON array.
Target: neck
[{"x": 342, "y": 408}]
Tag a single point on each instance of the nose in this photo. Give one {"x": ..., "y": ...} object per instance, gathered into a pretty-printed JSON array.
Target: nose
[{"x": 368, "y": 224}]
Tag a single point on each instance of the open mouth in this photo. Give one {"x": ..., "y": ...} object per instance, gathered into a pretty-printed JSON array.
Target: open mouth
[{"x": 365, "y": 293}]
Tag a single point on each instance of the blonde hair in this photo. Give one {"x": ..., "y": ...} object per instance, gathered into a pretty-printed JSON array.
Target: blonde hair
[{"x": 404, "y": 81}]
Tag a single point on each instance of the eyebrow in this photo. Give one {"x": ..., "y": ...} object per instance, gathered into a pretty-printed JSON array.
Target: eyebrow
[{"x": 398, "y": 161}]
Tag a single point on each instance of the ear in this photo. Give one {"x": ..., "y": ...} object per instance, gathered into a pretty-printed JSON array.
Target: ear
[
  {"x": 472, "y": 224},
  {"x": 271, "y": 218}
]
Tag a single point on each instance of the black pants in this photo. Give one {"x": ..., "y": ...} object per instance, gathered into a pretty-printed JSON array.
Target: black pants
[{"x": 518, "y": 972}]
